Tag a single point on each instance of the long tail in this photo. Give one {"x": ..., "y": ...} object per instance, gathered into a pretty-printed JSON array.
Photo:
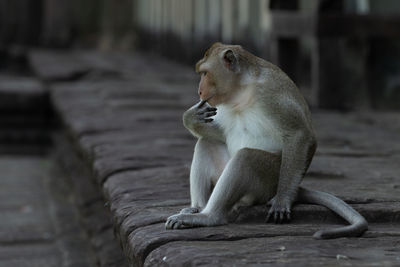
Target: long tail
[{"x": 358, "y": 224}]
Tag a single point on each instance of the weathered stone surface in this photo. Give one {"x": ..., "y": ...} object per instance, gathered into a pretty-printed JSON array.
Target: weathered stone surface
[
  {"x": 94, "y": 214},
  {"x": 39, "y": 221},
  {"x": 38, "y": 226},
  {"x": 279, "y": 251},
  {"x": 143, "y": 240},
  {"x": 129, "y": 130},
  {"x": 48, "y": 66},
  {"x": 21, "y": 94},
  {"x": 30, "y": 255},
  {"x": 357, "y": 177},
  {"x": 24, "y": 114},
  {"x": 67, "y": 65}
]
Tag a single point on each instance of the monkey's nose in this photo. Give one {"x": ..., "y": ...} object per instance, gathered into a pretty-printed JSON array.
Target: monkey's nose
[{"x": 200, "y": 93}]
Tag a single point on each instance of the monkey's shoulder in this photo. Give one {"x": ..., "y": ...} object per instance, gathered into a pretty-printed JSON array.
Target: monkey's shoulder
[{"x": 285, "y": 107}]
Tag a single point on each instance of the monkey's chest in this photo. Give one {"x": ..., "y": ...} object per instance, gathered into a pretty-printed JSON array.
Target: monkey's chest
[
  {"x": 251, "y": 130},
  {"x": 243, "y": 137}
]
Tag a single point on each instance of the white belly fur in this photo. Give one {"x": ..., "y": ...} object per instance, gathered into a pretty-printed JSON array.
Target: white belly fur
[{"x": 248, "y": 129}]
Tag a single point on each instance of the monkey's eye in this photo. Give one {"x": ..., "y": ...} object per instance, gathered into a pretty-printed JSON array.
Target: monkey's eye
[{"x": 203, "y": 73}]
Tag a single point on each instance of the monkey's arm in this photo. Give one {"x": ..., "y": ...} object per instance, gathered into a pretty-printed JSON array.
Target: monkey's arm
[
  {"x": 297, "y": 152},
  {"x": 198, "y": 121}
]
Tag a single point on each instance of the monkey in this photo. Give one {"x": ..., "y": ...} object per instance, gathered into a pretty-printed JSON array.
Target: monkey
[{"x": 255, "y": 144}]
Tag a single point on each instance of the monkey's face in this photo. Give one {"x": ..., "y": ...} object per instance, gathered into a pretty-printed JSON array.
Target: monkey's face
[
  {"x": 219, "y": 70},
  {"x": 207, "y": 89}
]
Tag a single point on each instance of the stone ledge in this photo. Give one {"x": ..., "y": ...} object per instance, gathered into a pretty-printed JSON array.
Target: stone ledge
[{"x": 128, "y": 129}]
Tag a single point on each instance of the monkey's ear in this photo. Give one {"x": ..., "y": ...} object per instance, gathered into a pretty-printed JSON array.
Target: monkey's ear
[{"x": 231, "y": 61}]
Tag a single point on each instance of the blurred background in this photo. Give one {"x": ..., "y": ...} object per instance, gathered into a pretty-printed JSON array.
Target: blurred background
[
  {"x": 343, "y": 54},
  {"x": 91, "y": 89}
]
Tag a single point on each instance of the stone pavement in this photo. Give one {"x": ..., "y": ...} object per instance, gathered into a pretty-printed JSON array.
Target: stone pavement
[
  {"x": 38, "y": 228},
  {"x": 122, "y": 114},
  {"x": 51, "y": 212}
]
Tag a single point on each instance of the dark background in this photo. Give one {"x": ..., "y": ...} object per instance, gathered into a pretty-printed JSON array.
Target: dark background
[{"x": 343, "y": 55}]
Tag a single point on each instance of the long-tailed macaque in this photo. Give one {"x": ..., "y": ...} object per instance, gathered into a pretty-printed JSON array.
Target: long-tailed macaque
[{"x": 255, "y": 143}]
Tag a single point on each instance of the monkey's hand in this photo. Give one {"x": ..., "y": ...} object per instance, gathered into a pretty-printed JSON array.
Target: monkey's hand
[
  {"x": 198, "y": 120},
  {"x": 280, "y": 209},
  {"x": 198, "y": 114}
]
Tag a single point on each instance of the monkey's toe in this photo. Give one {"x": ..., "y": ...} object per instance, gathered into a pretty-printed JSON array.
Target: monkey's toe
[
  {"x": 279, "y": 216},
  {"x": 189, "y": 211},
  {"x": 175, "y": 222},
  {"x": 279, "y": 211},
  {"x": 170, "y": 223}
]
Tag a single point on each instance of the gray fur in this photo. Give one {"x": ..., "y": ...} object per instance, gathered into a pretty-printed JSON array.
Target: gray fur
[{"x": 225, "y": 173}]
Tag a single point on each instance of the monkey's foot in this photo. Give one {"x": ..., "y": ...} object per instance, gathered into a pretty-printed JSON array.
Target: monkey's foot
[
  {"x": 182, "y": 221},
  {"x": 189, "y": 211},
  {"x": 179, "y": 221},
  {"x": 280, "y": 210}
]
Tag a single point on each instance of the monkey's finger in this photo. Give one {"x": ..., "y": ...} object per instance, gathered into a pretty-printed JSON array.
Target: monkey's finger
[
  {"x": 275, "y": 217},
  {"x": 202, "y": 103},
  {"x": 205, "y": 110},
  {"x": 171, "y": 224},
  {"x": 288, "y": 218},
  {"x": 210, "y": 114},
  {"x": 208, "y": 120},
  {"x": 175, "y": 224},
  {"x": 281, "y": 216},
  {"x": 268, "y": 216}
]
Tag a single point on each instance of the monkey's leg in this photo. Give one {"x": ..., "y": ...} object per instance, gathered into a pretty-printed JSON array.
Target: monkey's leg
[
  {"x": 252, "y": 174},
  {"x": 209, "y": 160}
]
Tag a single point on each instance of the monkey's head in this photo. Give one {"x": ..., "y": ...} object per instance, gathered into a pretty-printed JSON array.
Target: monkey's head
[{"x": 220, "y": 72}]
